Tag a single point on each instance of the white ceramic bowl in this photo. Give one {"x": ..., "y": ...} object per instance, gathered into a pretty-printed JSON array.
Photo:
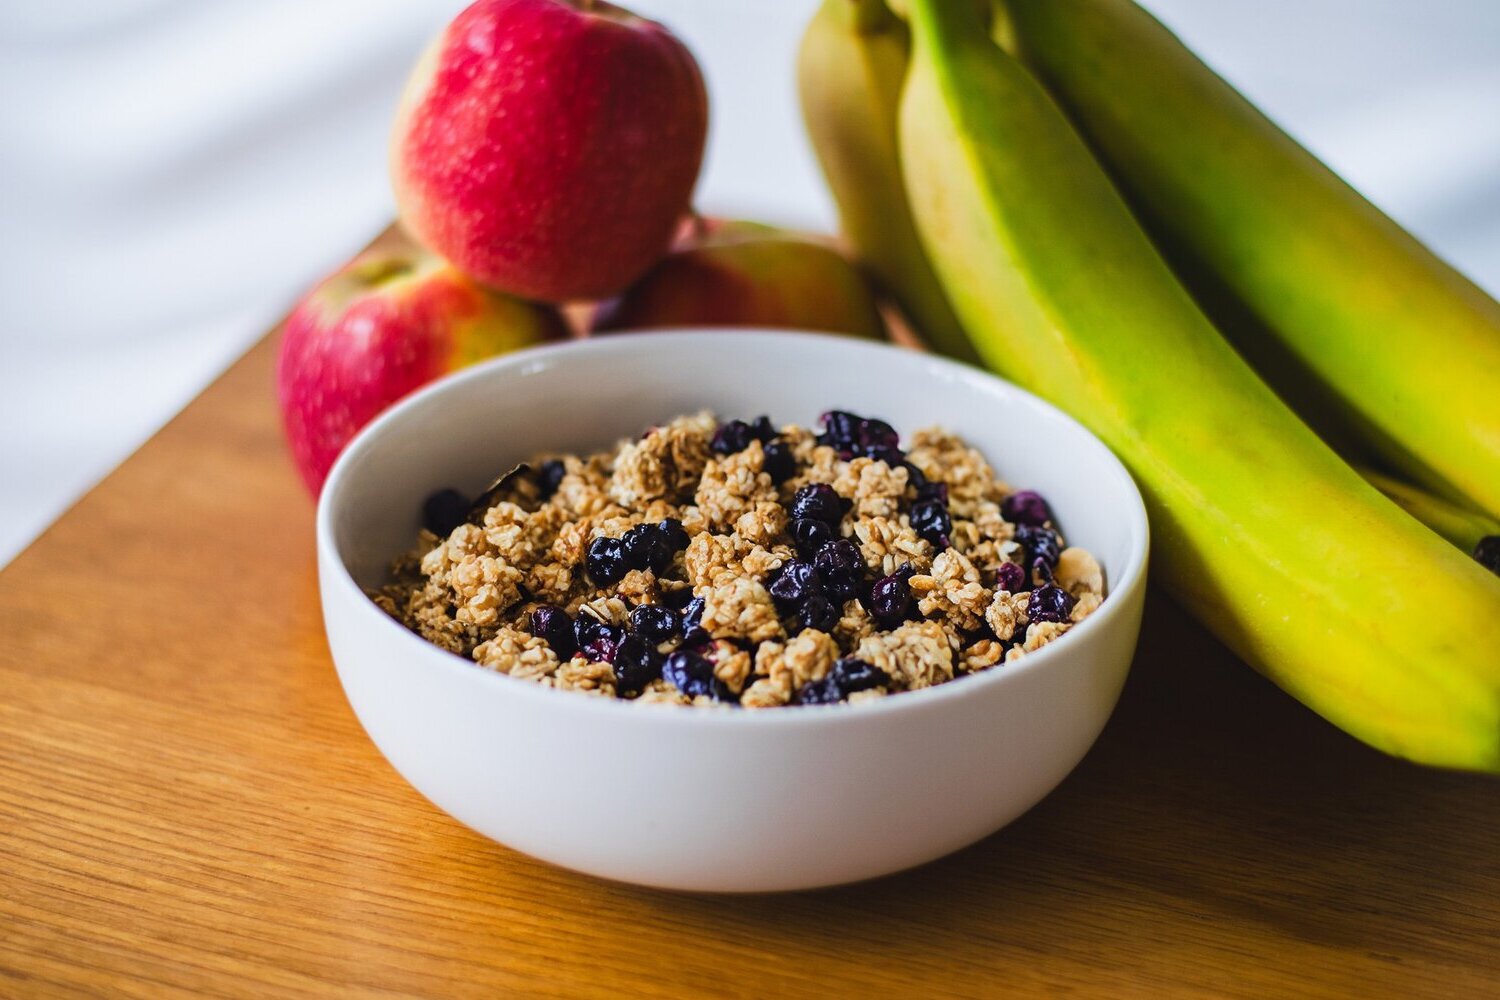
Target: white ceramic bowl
[{"x": 724, "y": 800}]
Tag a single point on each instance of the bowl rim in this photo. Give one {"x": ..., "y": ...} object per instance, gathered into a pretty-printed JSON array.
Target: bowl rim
[{"x": 534, "y": 359}]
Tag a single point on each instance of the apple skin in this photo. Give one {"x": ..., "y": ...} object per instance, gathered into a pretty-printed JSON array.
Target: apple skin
[
  {"x": 385, "y": 324},
  {"x": 735, "y": 273},
  {"x": 546, "y": 150}
]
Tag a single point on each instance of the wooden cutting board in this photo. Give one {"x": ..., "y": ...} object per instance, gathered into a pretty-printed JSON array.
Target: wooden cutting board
[{"x": 188, "y": 807}]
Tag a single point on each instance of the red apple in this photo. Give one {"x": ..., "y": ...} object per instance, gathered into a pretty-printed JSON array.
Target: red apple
[
  {"x": 385, "y": 324},
  {"x": 548, "y": 147},
  {"x": 745, "y": 274}
]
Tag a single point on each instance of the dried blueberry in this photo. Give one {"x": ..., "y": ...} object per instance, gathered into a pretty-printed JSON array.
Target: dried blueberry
[
  {"x": 549, "y": 477},
  {"x": 692, "y": 614},
  {"x": 444, "y": 511},
  {"x": 890, "y": 597},
  {"x": 655, "y": 623},
  {"x": 585, "y": 629},
  {"x": 676, "y": 599},
  {"x": 596, "y": 640},
  {"x": 673, "y": 533},
  {"x": 817, "y": 612},
  {"x": 779, "y": 463},
  {"x": 937, "y": 492},
  {"x": 824, "y": 691},
  {"x": 1041, "y": 545},
  {"x": 636, "y": 545},
  {"x": 637, "y": 663},
  {"x": 795, "y": 582},
  {"x": 847, "y": 676},
  {"x": 693, "y": 675},
  {"x": 732, "y": 437},
  {"x": 856, "y": 675},
  {"x": 1050, "y": 604},
  {"x": 694, "y": 637},
  {"x": 930, "y": 519},
  {"x": 818, "y": 502},
  {"x": 735, "y": 435},
  {"x": 842, "y": 568},
  {"x": 687, "y": 672},
  {"x": 850, "y": 435},
  {"x": 809, "y": 536},
  {"x": 646, "y": 547},
  {"x": 877, "y": 436},
  {"x": 1010, "y": 576},
  {"x": 1488, "y": 553},
  {"x": 606, "y": 562},
  {"x": 1026, "y": 507},
  {"x": 841, "y": 432},
  {"x": 551, "y": 623}
]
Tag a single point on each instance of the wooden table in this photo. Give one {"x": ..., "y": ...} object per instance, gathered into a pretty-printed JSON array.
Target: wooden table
[{"x": 188, "y": 807}]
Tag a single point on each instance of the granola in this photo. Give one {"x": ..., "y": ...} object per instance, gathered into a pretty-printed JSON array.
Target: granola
[{"x": 739, "y": 563}]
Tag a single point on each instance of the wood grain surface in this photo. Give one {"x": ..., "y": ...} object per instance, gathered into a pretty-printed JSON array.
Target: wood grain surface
[{"x": 188, "y": 807}]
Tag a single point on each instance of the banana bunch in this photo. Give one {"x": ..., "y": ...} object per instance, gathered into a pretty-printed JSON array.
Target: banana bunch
[
  {"x": 849, "y": 69},
  {"x": 1306, "y": 570},
  {"x": 1396, "y": 348}
]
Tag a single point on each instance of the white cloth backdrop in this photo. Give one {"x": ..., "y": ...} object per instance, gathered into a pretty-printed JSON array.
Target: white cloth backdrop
[{"x": 173, "y": 173}]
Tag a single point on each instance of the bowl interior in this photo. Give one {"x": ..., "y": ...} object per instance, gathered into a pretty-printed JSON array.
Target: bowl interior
[{"x": 467, "y": 429}]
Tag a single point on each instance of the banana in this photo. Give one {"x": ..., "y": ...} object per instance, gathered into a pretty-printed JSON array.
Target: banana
[
  {"x": 1403, "y": 349},
  {"x": 1472, "y": 532},
  {"x": 849, "y": 70},
  {"x": 1298, "y": 564}
]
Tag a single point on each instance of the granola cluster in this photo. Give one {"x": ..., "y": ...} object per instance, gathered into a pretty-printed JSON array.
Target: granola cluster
[{"x": 744, "y": 564}]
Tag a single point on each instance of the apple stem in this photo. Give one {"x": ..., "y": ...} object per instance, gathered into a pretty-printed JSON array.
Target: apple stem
[{"x": 699, "y": 224}]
